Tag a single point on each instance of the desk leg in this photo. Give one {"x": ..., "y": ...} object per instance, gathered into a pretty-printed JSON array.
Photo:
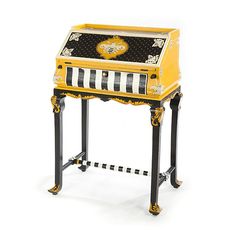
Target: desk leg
[
  {"x": 156, "y": 120},
  {"x": 58, "y": 107},
  {"x": 85, "y": 121},
  {"x": 174, "y": 105}
]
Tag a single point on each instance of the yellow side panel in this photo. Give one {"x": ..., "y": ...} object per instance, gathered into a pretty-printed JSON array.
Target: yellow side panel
[{"x": 169, "y": 68}]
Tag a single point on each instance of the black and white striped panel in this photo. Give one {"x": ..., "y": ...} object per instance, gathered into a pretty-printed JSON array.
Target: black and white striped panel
[
  {"x": 106, "y": 80},
  {"x": 115, "y": 168}
]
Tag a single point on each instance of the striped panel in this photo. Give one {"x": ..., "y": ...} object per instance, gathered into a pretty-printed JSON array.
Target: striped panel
[
  {"x": 106, "y": 80},
  {"x": 80, "y": 78},
  {"x": 115, "y": 168},
  {"x": 69, "y": 73},
  {"x": 92, "y": 79}
]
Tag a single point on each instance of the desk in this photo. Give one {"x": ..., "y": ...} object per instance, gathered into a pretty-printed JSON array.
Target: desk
[{"x": 107, "y": 64}]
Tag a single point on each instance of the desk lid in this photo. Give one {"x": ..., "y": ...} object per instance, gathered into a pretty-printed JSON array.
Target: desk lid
[{"x": 117, "y": 45}]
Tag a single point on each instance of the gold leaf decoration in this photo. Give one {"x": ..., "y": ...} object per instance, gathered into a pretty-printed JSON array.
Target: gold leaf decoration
[{"x": 112, "y": 47}]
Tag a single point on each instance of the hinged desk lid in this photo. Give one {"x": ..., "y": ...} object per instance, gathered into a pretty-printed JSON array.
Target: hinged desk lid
[{"x": 114, "y": 45}]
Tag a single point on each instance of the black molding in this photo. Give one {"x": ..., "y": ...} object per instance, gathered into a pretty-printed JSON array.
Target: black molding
[{"x": 104, "y": 97}]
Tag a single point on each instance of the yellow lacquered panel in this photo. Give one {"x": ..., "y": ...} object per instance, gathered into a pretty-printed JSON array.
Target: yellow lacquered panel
[
  {"x": 166, "y": 71},
  {"x": 120, "y": 94}
]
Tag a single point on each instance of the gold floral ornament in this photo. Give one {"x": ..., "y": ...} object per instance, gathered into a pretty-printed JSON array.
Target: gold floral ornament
[{"x": 112, "y": 47}]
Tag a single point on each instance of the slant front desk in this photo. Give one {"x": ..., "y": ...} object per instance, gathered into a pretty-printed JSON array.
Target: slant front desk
[{"x": 130, "y": 65}]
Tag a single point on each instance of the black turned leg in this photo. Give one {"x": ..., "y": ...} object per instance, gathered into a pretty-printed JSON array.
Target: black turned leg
[
  {"x": 85, "y": 117},
  {"x": 156, "y": 120},
  {"x": 58, "y": 107},
  {"x": 175, "y": 106}
]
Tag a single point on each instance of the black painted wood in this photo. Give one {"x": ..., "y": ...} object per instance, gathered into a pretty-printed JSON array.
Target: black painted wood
[
  {"x": 139, "y": 47},
  {"x": 174, "y": 105},
  {"x": 58, "y": 121},
  {"x": 156, "y": 144},
  {"x": 104, "y": 97},
  {"x": 85, "y": 127},
  {"x": 156, "y": 178}
]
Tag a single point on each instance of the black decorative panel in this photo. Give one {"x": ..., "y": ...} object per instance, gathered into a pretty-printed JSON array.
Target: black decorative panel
[{"x": 117, "y": 48}]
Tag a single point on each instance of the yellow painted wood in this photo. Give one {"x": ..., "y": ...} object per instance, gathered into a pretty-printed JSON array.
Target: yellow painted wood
[{"x": 167, "y": 69}]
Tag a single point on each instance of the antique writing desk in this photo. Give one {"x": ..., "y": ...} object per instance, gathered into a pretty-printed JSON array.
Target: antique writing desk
[{"x": 130, "y": 65}]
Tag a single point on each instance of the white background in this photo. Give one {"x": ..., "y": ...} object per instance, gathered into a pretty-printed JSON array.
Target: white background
[{"x": 104, "y": 202}]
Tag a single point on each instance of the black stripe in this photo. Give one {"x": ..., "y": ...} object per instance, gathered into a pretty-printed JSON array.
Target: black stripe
[
  {"x": 69, "y": 76},
  {"x": 81, "y": 78},
  {"x": 128, "y": 170},
  {"x": 129, "y": 83},
  {"x": 136, "y": 171},
  {"x": 104, "y": 79},
  {"x": 120, "y": 168},
  {"x": 117, "y": 81},
  {"x": 112, "y": 167},
  {"x": 96, "y": 164},
  {"x": 142, "y": 84},
  {"x": 145, "y": 173},
  {"x": 104, "y": 166},
  {"x": 88, "y": 163},
  {"x": 92, "y": 78}
]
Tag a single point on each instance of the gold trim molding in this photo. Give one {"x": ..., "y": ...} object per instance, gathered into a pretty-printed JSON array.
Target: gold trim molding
[
  {"x": 135, "y": 103},
  {"x": 173, "y": 95},
  {"x": 157, "y": 116},
  {"x": 78, "y": 96}
]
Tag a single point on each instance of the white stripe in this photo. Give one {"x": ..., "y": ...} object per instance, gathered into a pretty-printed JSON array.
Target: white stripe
[
  {"x": 136, "y": 83},
  {"x": 75, "y": 74},
  {"x": 116, "y": 168},
  {"x": 100, "y": 165},
  {"x": 123, "y": 78},
  {"x": 98, "y": 80},
  {"x": 111, "y": 80},
  {"x": 93, "y": 164},
  {"x": 86, "y": 78},
  {"x": 132, "y": 171}
]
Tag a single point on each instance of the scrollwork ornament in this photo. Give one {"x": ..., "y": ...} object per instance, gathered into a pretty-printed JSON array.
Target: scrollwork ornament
[
  {"x": 135, "y": 103},
  {"x": 78, "y": 95},
  {"x": 157, "y": 115},
  {"x": 55, "y": 105}
]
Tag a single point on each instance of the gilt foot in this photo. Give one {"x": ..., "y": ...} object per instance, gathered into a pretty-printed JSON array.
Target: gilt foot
[
  {"x": 55, "y": 189},
  {"x": 154, "y": 209}
]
